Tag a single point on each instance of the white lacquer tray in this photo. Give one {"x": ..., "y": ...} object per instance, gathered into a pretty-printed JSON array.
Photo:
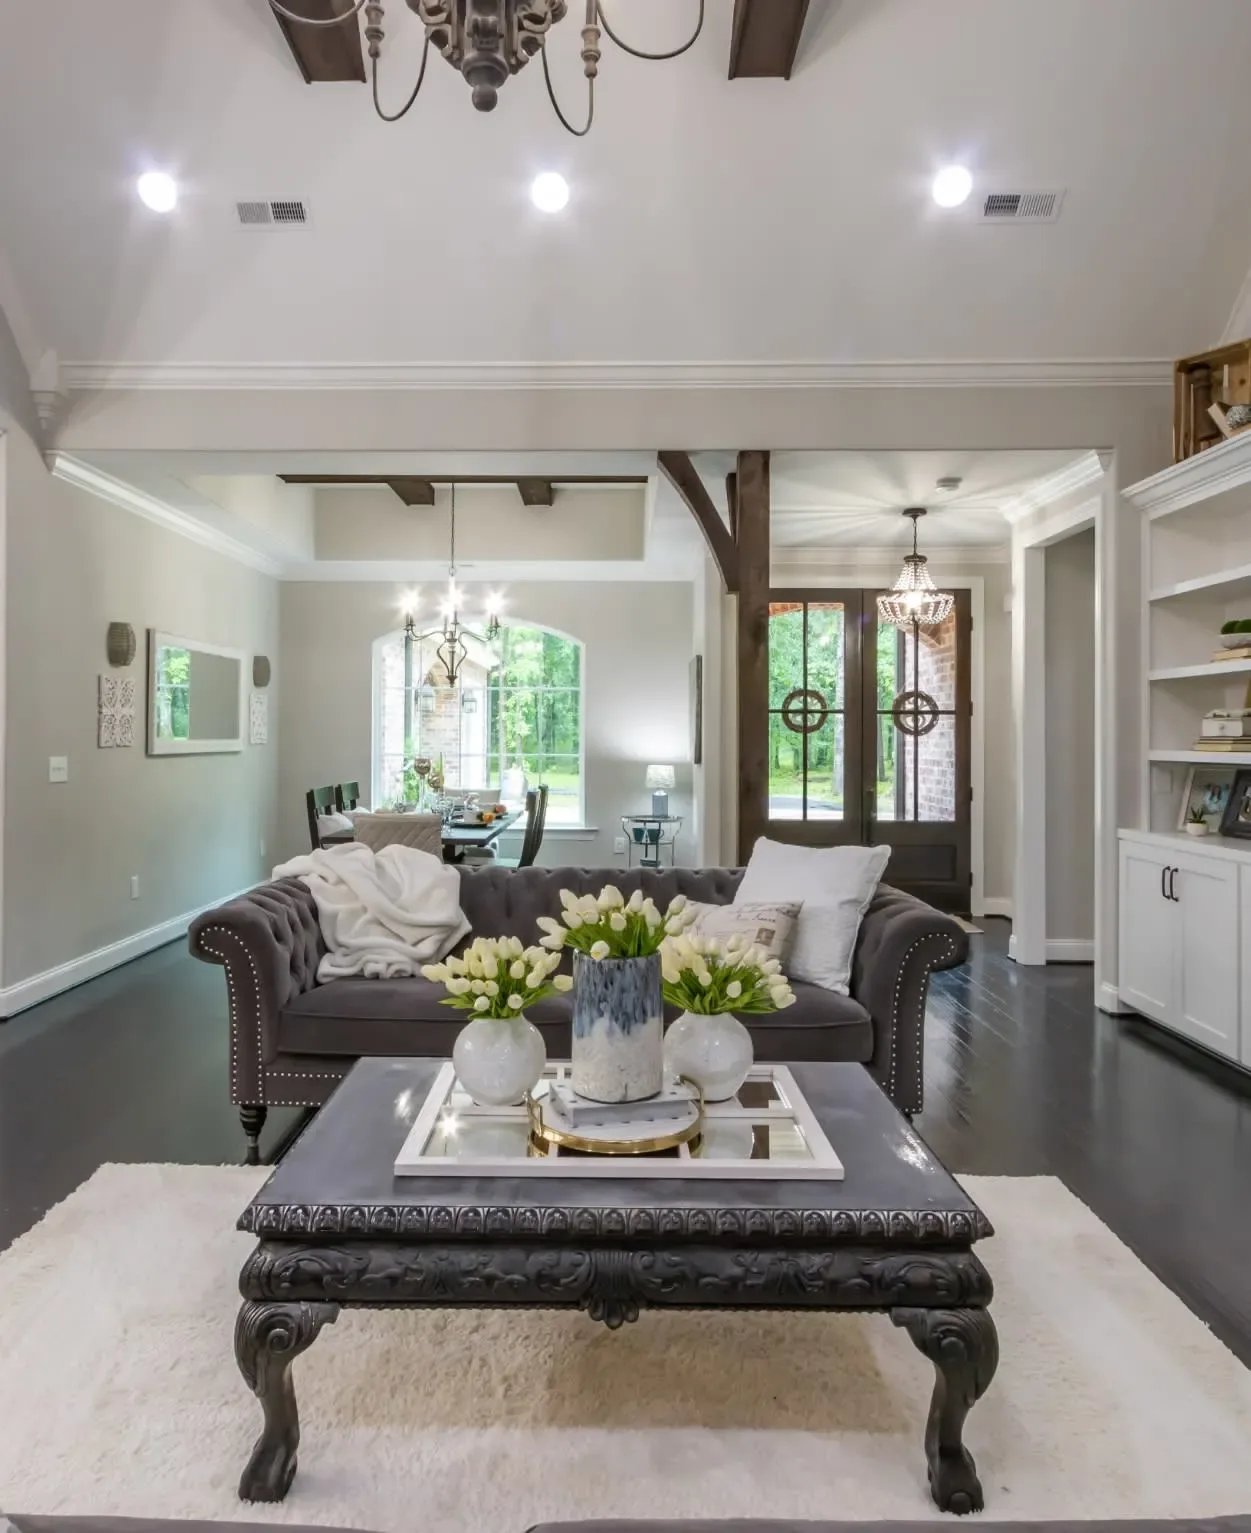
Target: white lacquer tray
[{"x": 766, "y": 1132}]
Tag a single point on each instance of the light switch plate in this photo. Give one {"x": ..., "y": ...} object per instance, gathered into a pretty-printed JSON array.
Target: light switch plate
[{"x": 58, "y": 768}]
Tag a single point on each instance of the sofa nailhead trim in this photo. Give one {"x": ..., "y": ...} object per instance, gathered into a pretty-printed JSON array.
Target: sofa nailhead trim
[
  {"x": 948, "y": 952},
  {"x": 234, "y": 1013}
]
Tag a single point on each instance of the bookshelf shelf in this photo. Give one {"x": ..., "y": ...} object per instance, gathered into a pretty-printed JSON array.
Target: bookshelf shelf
[
  {"x": 1227, "y": 583},
  {"x": 1208, "y": 758},
  {"x": 1212, "y": 669}
]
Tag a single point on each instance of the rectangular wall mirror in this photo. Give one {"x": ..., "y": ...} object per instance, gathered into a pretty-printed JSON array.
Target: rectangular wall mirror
[{"x": 195, "y": 696}]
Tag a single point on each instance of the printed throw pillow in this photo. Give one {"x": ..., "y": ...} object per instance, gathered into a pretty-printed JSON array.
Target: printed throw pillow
[
  {"x": 836, "y": 884},
  {"x": 768, "y": 926}
]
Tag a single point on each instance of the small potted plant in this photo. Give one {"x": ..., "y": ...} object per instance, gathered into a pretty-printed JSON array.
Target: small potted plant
[
  {"x": 618, "y": 1016},
  {"x": 711, "y": 983},
  {"x": 1196, "y": 825},
  {"x": 499, "y": 1054},
  {"x": 1236, "y": 633}
]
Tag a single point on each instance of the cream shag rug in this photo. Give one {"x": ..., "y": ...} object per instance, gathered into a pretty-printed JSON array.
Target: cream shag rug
[{"x": 119, "y": 1394}]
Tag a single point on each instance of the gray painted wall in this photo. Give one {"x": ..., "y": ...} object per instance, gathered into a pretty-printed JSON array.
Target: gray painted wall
[
  {"x": 639, "y": 642},
  {"x": 16, "y": 405},
  {"x": 1070, "y": 704},
  {"x": 190, "y": 827}
]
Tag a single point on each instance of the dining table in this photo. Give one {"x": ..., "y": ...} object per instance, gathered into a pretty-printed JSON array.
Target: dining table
[{"x": 458, "y": 837}]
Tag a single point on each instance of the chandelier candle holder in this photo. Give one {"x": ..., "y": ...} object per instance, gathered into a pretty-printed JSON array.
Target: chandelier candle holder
[
  {"x": 489, "y": 40},
  {"x": 450, "y": 648},
  {"x": 915, "y": 601}
]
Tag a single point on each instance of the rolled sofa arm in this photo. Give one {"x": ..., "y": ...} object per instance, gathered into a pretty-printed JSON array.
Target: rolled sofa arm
[
  {"x": 902, "y": 941},
  {"x": 270, "y": 944}
]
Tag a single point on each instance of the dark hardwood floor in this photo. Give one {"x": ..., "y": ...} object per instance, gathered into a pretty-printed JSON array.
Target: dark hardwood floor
[{"x": 1024, "y": 1077}]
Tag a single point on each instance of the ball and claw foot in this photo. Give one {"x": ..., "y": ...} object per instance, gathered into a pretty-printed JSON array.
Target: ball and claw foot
[{"x": 964, "y": 1348}]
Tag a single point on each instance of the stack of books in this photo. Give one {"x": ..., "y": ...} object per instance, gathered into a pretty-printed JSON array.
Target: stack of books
[{"x": 1225, "y": 729}]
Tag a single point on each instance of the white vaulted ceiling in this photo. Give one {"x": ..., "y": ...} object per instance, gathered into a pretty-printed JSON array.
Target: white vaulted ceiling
[{"x": 745, "y": 221}]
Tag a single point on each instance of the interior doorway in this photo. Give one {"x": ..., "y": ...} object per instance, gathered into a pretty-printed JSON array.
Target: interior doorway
[{"x": 866, "y": 738}]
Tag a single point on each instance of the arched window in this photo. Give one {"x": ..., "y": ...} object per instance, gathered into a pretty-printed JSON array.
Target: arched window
[{"x": 512, "y": 721}]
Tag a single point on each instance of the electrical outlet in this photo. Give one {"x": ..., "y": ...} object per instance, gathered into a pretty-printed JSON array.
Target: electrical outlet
[
  {"x": 134, "y": 886},
  {"x": 58, "y": 768},
  {"x": 618, "y": 845}
]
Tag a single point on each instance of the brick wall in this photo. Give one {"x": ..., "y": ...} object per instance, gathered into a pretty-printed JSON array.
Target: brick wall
[{"x": 936, "y": 751}]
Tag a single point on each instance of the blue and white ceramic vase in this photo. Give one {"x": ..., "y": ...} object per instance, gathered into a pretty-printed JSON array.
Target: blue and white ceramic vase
[{"x": 618, "y": 1028}]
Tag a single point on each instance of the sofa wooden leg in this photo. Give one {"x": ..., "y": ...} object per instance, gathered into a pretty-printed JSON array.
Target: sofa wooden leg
[{"x": 253, "y": 1120}]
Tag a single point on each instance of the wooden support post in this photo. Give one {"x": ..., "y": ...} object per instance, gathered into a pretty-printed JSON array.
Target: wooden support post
[
  {"x": 752, "y": 500},
  {"x": 681, "y": 474}
]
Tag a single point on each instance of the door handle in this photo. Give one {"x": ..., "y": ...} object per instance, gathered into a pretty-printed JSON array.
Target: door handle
[
  {"x": 1164, "y": 883},
  {"x": 1172, "y": 886}
]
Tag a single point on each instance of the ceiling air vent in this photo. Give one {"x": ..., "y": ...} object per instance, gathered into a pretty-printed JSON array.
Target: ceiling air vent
[
  {"x": 1021, "y": 207},
  {"x": 286, "y": 212}
]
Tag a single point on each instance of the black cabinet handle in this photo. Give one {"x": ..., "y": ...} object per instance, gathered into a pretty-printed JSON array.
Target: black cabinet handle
[
  {"x": 1172, "y": 886},
  {"x": 1164, "y": 883}
]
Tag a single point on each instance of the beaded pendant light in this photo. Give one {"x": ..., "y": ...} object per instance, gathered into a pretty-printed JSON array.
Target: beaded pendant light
[{"x": 915, "y": 599}]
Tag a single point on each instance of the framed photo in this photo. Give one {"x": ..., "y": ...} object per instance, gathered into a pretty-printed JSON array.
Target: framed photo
[
  {"x": 1237, "y": 818},
  {"x": 1207, "y": 788}
]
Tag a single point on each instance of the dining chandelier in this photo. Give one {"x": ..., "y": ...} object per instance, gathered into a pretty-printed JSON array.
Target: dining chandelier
[
  {"x": 915, "y": 601},
  {"x": 488, "y": 40},
  {"x": 450, "y": 648}
]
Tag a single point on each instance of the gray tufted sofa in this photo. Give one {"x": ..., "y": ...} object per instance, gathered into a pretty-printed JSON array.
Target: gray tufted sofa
[{"x": 292, "y": 1040}]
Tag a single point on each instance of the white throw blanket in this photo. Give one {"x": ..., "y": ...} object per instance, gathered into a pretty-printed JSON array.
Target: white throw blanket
[{"x": 383, "y": 914}]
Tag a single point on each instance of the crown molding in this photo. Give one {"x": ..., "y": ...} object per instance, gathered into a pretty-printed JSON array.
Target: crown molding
[
  {"x": 1086, "y": 470},
  {"x": 1082, "y": 372},
  {"x": 1208, "y": 473},
  {"x": 84, "y": 477}
]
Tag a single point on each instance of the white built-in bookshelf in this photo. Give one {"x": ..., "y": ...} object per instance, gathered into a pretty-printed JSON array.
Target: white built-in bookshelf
[{"x": 1196, "y": 575}]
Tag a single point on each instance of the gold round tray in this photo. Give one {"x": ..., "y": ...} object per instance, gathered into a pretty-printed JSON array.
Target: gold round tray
[{"x": 543, "y": 1135}]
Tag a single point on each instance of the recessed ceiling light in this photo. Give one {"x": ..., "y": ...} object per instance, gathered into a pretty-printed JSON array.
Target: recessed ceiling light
[
  {"x": 951, "y": 186},
  {"x": 157, "y": 191},
  {"x": 549, "y": 192}
]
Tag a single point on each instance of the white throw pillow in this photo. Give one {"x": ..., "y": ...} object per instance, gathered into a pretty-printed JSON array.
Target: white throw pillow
[
  {"x": 835, "y": 884},
  {"x": 333, "y": 824},
  {"x": 769, "y": 925}
]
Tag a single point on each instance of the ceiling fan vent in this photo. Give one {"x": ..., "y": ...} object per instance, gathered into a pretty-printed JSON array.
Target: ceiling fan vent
[
  {"x": 1022, "y": 207},
  {"x": 287, "y": 212}
]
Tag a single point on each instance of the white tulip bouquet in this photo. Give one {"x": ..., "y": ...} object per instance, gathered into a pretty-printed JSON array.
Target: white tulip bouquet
[
  {"x": 497, "y": 977},
  {"x": 708, "y": 978},
  {"x": 607, "y": 925}
]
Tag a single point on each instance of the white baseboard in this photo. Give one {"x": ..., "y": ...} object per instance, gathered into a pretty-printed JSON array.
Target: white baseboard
[
  {"x": 995, "y": 905},
  {"x": 1070, "y": 950},
  {"x": 1107, "y": 998},
  {"x": 41, "y": 987}
]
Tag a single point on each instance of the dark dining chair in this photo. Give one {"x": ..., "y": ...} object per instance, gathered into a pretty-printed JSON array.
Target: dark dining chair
[
  {"x": 536, "y": 819},
  {"x": 319, "y": 801},
  {"x": 347, "y": 796}
]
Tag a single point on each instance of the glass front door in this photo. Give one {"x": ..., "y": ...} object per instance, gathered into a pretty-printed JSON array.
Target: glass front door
[{"x": 868, "y": 736}]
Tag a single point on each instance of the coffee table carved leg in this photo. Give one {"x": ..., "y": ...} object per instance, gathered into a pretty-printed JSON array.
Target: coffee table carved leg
[
  {"x": 268, "y": 1338},
  {"x": 964, "y": 1348}
]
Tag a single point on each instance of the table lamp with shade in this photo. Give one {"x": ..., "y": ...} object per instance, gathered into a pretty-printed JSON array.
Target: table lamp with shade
[{"x": 660, "y": 779}]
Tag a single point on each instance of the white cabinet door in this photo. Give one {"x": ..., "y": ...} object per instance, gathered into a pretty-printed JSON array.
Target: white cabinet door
[
  {"x": 1245, "y": 904},
  {"x": 1207, "y": 913},
  {"x": 1148, "y": 957}
]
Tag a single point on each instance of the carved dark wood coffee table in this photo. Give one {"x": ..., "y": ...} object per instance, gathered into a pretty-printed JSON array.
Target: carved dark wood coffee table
[{"x": 336, "y": 1228}]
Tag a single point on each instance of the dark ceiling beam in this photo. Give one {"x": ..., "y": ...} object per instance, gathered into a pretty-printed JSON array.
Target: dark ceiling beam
[
  {"x": 536, "y": 492},
  {"x": 413, "y": 492},
  {"x": 765, "y": 38},
  {"x": 324, "y": 53},
  {"x": 680, "y": 472}
]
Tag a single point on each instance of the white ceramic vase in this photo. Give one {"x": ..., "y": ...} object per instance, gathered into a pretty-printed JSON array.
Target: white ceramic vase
[
  {"x": 715, "y": 1052},
  {"x": 497, "y": 1062},
  {"x": 1194, "y": 828}
]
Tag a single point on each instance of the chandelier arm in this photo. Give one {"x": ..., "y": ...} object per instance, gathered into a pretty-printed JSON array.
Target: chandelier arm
[
  {"x": 551, "y": 96},
  {"x": 638, "y": 53},
  {"x": 421, "y": 75},
  {"x": 315, "y": 21}
]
